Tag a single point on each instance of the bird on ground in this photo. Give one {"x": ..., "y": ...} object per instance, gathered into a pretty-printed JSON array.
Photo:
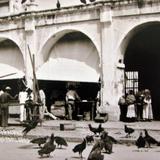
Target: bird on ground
[
  {"x": 98, "y": 144},
  {"x": 96, "y": 130},
  {"x": 104, "y": 133},
  {"x": 40, "y": 140},
  {"x": 48, "y": 147},
  {"x": 80, "y": 147},
  {"x": 140, "y": 142},
  {"x": 83, "y": 1},
  {"x": 92, "y": 0},
  {"x": 89, "y": 139},
  {"x": 30, "y": 125},
  {"x": 150, "y": 140},
  {"x": 58, "y": 5},
  {"x": 23, "y": 1},
  {"x": 128, "y": 130},
  {"x": 107, "y": 142},
  {"x": 96, "y": 155},
  {"x": 60, "y": 141}
]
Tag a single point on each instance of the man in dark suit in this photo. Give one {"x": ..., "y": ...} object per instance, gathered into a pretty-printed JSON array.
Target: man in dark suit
[{"x": 4, "y": 103}]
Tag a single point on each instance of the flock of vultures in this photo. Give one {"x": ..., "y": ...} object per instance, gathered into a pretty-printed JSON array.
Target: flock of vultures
[{"x": 102, "y": 144}]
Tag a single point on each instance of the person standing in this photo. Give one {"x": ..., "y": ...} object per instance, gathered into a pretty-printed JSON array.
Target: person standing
[
  {"x": 29, "y": 104},
  {"x": 147, "y": 107},
  {"x": 130, "y": 100},
  {"x": 71, "y": 97},
  {"x": 4, "y": 104},
  {"x": 139, "y": 105},
  {"x": 123, "y": 108},
  {"x": 22, "y": 98},
  {"x": 43, "y": 108},
  {"x": 43, "y": 103}
]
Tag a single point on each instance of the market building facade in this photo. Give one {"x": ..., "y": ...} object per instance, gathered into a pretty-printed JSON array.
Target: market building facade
[{"x": 84, "y": 44}]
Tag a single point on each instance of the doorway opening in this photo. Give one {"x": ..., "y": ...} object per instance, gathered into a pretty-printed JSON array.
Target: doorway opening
[{"x": 143, "y": 55}]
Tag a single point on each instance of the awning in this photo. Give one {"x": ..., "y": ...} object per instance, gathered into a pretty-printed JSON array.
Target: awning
[
  {"x": 62, "y": 69},
  {"x": 8, "y": 72},
  {"x": 71, "y": 59}
]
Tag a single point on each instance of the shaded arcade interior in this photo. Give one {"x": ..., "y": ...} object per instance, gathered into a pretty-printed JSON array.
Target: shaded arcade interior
[
  {"x": 55, "y": 91},
  {"x": 143, "y": 55}
]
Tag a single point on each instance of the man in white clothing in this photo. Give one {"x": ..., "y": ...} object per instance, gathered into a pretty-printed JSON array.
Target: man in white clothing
[
  {"x": 43, "y": 109},
  {"x": 22, "y": 98}
]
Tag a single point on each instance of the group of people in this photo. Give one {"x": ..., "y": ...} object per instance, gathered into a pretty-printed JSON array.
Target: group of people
[
  {"x": 29, "y": 108},
  {"x": 136, "y": 107}
]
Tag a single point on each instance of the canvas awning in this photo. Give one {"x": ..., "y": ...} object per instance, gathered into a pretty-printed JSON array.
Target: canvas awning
[
  {"x": 72, "y": 58},
  {"x": 8, "y": 72},
  {"x": 67, "y": 70}
]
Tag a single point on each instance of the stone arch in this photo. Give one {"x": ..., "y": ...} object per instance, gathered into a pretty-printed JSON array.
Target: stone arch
[
  {"x": 140, "y": 49},
  {"x": 58, "y": 38},
  {"x": 53, "y": 38},
  {"x": 123, "y": 43},
  {"x": 11, "y": 58}
]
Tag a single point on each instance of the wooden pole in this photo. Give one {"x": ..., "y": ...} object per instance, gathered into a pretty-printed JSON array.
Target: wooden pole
[{"x": 35, "y": 82}]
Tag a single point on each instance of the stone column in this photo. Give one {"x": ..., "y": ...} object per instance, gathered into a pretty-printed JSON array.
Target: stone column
[{"x": 107, "y": 64}]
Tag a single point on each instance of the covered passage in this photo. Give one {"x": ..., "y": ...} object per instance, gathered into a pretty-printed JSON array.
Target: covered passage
[
  {"x": 143, "y": 55},
  {"x": 73, "y": 59}
]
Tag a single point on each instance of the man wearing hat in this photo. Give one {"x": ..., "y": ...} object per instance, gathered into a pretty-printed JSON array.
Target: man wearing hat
[{"x": 4, "y": 103}]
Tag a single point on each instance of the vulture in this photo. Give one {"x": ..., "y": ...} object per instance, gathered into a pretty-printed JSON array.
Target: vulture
[
  {"x": 96, "y": 155},
  {"x": 150, "y": 140},
  {"x": 23, "y": 1},
  {"x": 80, "y": 147},
  {"x": 30, "y": 125},
  {"x": 48, "y": 147},
  {"x": 128, "y": 130},
  {"x": 140, "y": 142},
  {"x": 107, "y": 142},
  {"x": 89, "y": 139},
  {"x": 40, "y": 140},
  {"x": 83, "y": 1},
  {"x": 96, "y": 130},
  {"x": 60, "y": 141},
  {"x": 58, "y": 5}
]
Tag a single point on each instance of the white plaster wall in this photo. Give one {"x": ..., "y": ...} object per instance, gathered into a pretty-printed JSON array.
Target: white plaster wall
[{"x": 90, "y": 29}]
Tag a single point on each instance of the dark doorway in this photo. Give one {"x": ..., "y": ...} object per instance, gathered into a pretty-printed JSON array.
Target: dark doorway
[
  {"x": 56, "y": 91},
  {"x": 143, "y": 55}
]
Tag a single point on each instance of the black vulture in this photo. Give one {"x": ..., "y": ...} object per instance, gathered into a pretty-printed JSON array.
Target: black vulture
[
  {"x": 107, "y": 142},
  {"x": 40, "y": 140},
  {"x": 96, "y": 155},
  {"x": 150, "y": 140},
  {"x": 99, "y": 129},
  {"x": 128, "y": 130},
  {"x": 23, "y": 1},
  {"x": 98, "y": 144},
  {"x": 89, "y": 139},
  {"x": 58, "y": 5},
  {"x": 83, "y": 1},
  {"x": 80, "y": 147},
  {"x": 60, "y": 141},
  {"x": 48, "y": 147},
  {"x": 140, "y": 142},
  {"x": 30, "y": 125}
]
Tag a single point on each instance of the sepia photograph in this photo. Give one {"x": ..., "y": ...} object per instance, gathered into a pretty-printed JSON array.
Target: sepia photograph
[{"x": 79, "y": 79}]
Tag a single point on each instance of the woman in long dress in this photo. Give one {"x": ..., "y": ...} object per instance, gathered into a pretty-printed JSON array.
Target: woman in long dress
[
  {"x": 147, "y": 108},
  {"x": 130, "y": 99}
]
